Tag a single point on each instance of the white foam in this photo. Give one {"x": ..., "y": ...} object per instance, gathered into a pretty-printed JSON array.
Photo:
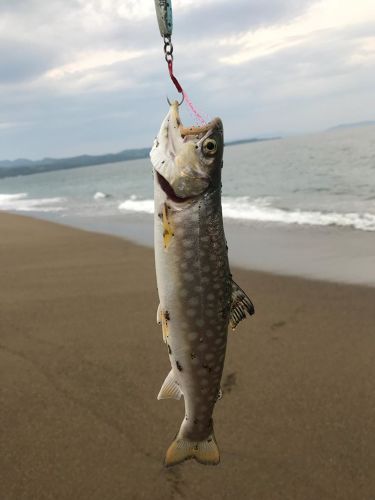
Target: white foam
[
  {"x": 101, "y": 196},
  {"x": 10, "y": 197},
  {"x": 134, "y": 205},
  {"x": 261, "y": 210},
  {"x": 19, "y": 202}
]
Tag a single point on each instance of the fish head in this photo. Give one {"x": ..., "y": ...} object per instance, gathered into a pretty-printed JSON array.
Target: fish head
[{"x": 187, "y": 160}]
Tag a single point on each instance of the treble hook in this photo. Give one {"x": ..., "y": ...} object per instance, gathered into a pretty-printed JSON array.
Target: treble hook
[{"x": 179, "y": 103}]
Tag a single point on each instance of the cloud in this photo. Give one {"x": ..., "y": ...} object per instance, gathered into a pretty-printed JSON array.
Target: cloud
[
  {"x": 90, "y": 76},
  {"x": 20, "y": 62}
]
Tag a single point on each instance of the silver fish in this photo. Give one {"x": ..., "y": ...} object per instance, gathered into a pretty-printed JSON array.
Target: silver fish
[{"x": 198, "y": 298}]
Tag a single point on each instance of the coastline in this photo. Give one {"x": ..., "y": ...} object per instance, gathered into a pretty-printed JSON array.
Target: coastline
[
  {"x": 332, "y": 254},
  {"x": 82, "y": 361}
]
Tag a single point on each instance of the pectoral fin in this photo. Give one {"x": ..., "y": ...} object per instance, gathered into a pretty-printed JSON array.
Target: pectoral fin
[
  {"x": 241, "y": 304},
  {"x": 168, "y": 232}
]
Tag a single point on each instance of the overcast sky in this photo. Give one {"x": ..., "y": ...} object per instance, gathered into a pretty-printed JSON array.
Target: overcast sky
[{"x": 89, "y": 76}]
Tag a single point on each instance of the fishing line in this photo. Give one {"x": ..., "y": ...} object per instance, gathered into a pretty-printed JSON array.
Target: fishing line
[{"x": 165, "y": 21}]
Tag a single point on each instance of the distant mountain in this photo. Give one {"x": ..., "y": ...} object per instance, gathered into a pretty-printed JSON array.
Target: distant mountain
[
  {"x": 353, "y": 125},
  {"x": 20, "y": 162},
  {"x": 247, "y": 141},
  {"x": 27, "y": 167}
]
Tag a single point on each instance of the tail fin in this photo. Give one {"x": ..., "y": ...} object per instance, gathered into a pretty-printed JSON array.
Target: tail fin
[{"x": 205, "y": 452}]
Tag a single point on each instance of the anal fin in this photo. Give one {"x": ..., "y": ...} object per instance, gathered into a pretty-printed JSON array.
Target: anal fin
[
  {"x": 170, "y": 389},
  {"x": 241, "y": 304}
]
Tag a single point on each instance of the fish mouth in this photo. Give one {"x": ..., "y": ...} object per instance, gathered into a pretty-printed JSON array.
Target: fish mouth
[
  {"x": 186, "y": 131},
  {"x": 199, "y": 131}
]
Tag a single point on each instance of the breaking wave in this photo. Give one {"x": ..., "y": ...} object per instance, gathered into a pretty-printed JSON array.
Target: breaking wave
[
  {"x": 261, "y": 210},
  {"x": 20, "y": 202},
  {"x": 101, "y": 196},
  {"x": 135, "y": 205}
]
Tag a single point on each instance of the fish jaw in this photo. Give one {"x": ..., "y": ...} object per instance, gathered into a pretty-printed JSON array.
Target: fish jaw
[{"x": 181, "y": 157}]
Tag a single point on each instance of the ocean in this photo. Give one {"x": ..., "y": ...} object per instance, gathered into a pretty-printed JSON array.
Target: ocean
[{"x": 316, "y": 181}]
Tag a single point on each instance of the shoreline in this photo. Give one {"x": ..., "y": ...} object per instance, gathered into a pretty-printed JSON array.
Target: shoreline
[
  {"x": 328, "y": 254},
  {"x": 82, "y": 361}
]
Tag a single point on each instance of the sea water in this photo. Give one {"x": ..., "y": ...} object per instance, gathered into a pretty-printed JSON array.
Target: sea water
[{"x": 325, "y": 179}]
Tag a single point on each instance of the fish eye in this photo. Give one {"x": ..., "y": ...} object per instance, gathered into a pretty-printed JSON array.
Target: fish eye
[{"x": 209, "y": 146}]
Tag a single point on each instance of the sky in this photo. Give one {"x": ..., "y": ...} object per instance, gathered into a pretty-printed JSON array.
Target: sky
[{"x": 89, "y": 76}]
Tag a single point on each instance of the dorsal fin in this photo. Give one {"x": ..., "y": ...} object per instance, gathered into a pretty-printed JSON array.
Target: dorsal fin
[{"x": 241, "y": 304}]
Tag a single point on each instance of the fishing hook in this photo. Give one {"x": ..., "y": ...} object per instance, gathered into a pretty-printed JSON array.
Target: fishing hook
[{"x": 179, "y": 103}]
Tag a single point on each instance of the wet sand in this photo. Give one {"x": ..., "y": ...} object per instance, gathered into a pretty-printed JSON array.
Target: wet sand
[{"x": 82, "y": 360}]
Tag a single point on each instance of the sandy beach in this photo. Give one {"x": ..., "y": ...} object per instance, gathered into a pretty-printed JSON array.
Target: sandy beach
[{"x": 82, "y": 360}]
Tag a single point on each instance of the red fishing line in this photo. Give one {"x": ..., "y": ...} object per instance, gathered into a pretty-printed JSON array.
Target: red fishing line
[{"x": 182, "y": 91}]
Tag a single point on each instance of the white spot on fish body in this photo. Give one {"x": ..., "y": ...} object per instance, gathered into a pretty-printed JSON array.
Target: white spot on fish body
[
  {"x": 194, "y": 301},
  {"x": 191, "y": 312},
  {"x": 192, "y": 335}
]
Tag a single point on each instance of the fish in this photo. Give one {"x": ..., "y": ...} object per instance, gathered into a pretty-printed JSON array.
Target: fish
[{"x": 198, "y": 298}]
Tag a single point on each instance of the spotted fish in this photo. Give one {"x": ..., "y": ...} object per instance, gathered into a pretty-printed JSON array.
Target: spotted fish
[{"x": 198, "y": 298}]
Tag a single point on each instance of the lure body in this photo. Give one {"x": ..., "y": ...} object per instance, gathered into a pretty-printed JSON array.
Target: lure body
[{"x": 164, "y": 16}]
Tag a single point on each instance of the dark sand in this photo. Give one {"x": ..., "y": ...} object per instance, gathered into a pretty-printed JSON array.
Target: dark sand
[{"x": 82, "y": 360}]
